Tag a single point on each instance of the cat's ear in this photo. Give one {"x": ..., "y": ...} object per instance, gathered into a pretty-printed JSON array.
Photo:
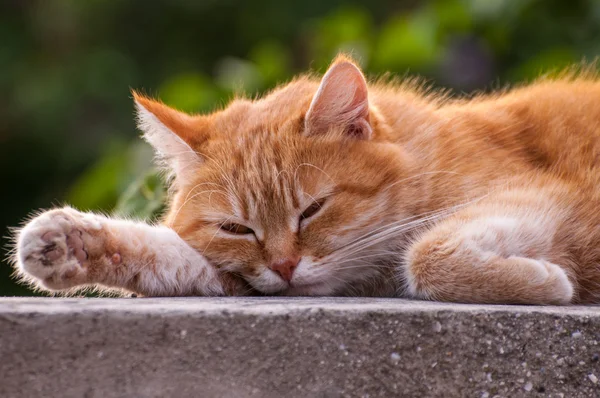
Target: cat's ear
[
  {"x": 174, "y": 135},
  {"x": 341, "y": 102}
]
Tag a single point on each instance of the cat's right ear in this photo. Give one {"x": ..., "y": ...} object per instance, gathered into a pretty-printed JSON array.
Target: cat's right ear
[
  {"x": 174, "y": 135},
  {"x": 342, "y": 102}
]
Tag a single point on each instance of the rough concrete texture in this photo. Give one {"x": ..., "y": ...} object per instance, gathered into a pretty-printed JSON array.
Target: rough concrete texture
[{"x": 283, "y": 347}]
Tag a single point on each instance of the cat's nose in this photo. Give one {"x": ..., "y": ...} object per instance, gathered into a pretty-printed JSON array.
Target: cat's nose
[{"x": 285, "y": 267}]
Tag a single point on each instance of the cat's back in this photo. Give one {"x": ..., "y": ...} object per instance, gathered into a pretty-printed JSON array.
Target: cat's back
[{"x": 550, "y": 125}]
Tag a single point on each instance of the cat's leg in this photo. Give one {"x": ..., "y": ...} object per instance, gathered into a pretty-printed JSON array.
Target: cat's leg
[
  {"x": 492, "y": 256},
  {"x": 64, "y": 249}
]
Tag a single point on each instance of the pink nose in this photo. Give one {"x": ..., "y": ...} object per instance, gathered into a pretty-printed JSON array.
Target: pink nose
[{"x": 285, "y": 267}]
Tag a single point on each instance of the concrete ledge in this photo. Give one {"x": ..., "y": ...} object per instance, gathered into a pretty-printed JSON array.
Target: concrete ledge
[{"x": 284, "y": 347}]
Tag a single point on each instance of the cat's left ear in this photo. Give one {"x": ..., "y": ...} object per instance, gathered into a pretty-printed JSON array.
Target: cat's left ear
[
  {"x": 175, "y": 136},
  {"x": 341, "y": 102}
]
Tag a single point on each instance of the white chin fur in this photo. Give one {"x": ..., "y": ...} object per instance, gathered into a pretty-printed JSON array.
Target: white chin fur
[
  {"x": 268, "y": 282},
  {"x": 310, "y": 279}
]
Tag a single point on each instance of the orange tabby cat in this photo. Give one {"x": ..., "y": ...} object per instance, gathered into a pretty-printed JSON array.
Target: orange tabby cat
[{"x": 338, "y": 187}]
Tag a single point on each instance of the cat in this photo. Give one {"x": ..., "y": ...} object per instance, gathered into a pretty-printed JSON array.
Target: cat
[{"x": 335, "y": 186}]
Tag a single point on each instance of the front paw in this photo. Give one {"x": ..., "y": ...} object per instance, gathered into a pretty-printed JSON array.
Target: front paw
[{"x": 52, "y": 250}]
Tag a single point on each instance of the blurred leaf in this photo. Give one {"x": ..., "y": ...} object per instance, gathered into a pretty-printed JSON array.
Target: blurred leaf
[
  {"x": 190, "y": 92},
  {"x": 488, "y": 8},
  {"x": 408, "y": 41},
  {"x": 272, "y": 60},
  {"x": 547, "y": 62},
  {"x": 99, "y": 186},
  {"x": 348, "y": 29},
  {"x": 144, "y": 199},
  {"x": 453, "y": 15}
]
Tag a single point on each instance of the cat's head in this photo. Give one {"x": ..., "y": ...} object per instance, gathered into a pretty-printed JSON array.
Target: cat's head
[{"x": 291, "y": 192}]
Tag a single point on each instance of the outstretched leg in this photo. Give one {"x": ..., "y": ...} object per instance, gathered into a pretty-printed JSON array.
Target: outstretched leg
[
  {"x": 64, "y": 249},
  {"x": 499, "y": 252}
]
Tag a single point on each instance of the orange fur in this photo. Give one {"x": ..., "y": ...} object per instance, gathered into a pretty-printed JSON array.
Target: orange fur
[
  {"x": 531, "y": 150},
  {"x": 489, "y": 199}
]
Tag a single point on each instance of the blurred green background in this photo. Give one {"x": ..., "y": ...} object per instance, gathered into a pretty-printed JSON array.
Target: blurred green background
[{"x": 66, "y": 67}]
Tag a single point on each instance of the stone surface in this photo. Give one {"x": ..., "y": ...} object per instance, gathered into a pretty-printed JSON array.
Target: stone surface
[{"x": 284, "y": 347}]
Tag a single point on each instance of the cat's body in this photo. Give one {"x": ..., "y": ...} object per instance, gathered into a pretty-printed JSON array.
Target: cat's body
[{"x": 336, "y": 188}]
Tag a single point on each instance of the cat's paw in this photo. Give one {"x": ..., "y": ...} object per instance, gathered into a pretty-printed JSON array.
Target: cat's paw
[
  {"x": 52, "y": 249},
  {"x": 550, "y": 282}
]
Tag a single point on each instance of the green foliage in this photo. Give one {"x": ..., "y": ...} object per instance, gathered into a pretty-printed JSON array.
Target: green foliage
[
  {"x": 272, "y": 60},
  {"x": 347, "y": 29},
  {"x": 189, "y": 92},
  {"x": 113, "y": 179},
  {"x": 67, "y": 131},
  {"x": 408, "y": 41},
  {"x": 144, "y": 199}
]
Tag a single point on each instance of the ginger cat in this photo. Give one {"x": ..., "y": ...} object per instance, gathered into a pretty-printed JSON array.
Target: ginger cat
[{"x": 338, "y": 187}]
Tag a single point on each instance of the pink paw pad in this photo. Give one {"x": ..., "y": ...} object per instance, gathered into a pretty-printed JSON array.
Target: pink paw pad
[
  {"x": 75, "y": 245},
  {"x": 51, "y": 252}
]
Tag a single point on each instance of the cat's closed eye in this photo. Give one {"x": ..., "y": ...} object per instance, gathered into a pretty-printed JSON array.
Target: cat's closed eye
[
  {"x": 237, "y": 229},
  {"x": 312, "y": 209}
]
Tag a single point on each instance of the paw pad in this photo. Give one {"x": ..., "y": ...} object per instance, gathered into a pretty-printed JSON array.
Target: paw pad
[
  {"x": 116, "y": 258},
  {"x": 51, "y": 249}
]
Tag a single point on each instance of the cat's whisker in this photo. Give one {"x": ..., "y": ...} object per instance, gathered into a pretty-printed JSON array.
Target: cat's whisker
[
  {"x": 367, "y": 264},
  {"x": 404, "y": 220},
  {"x": 277, "y": 176},
  {"x": 394, "y": 230},
  {"x": 372, "y": 253},
  {"x": 199, "y": 185},
  {"x": 343, "y": 282},
  {"x": 388, "y": 233},
  {"x": 312, "y": 198},
  {"x": 367, "y": 243},
  {"x": 400, "y": 229},
  {"x": 351, "y": 260},
  {"x": 213, "y": 236},
  {"x": 441, "y": 212}
]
